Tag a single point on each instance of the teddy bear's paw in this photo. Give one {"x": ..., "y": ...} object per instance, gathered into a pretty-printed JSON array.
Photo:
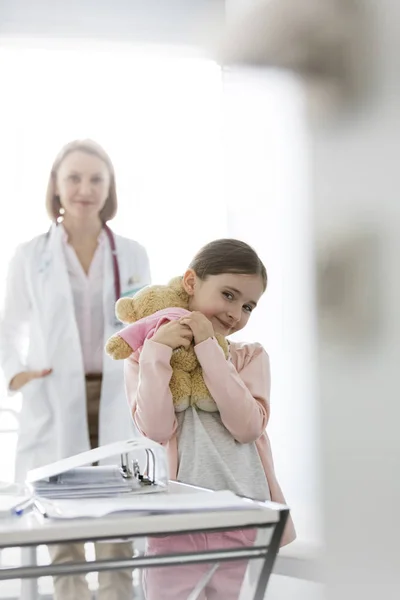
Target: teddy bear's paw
[
  {"x": 180, "y": 385},
  {"x": 223, "y": 342},
  {"x": 184, "y": 359},
  {"x": 118, "y": 348},
  {"x": 205, "y": 404},
  {"x": 199, "y": 388},
  {"x": 181, "y": 404}
]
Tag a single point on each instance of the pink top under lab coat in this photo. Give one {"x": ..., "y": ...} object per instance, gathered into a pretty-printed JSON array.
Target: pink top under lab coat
[{"x": 87, "y": 293}]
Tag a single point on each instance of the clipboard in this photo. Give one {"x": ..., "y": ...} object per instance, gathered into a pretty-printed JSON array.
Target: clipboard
[{"x": 139, "y": 466}]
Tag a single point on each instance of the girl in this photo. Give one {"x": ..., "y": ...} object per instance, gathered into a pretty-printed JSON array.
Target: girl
[{"x": 228, "y": 449}]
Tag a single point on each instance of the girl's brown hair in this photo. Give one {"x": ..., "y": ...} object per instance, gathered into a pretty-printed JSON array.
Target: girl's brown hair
[
  {"x": 53, "y": 204},
  {"x": 228, "y": 256}
]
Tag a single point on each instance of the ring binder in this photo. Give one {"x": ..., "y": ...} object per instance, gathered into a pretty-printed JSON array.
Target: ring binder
[{"x": 139, "y": 466}]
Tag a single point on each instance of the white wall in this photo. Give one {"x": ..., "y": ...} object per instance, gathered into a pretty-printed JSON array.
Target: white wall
[{"x": 267, "y": 188}]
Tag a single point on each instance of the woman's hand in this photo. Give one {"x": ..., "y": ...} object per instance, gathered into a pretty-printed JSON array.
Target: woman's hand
[
  {"x": 200, "y": 326},
  {"x": 174, "y": 334},
  {"x": 21, "y": 379}
]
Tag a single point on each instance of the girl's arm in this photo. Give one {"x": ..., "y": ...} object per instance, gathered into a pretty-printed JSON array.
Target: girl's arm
[
  {"x": 147, "y": 388},
  {"x": 242, "y": 397}
]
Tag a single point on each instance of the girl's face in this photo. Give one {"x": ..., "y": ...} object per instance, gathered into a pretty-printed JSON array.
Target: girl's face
[
  {"x": 227, "y": 300},
  {"x": 83, "y": 184}
]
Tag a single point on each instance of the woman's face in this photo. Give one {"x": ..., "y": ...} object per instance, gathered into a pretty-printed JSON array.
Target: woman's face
[{"x": 83, "y": 184}]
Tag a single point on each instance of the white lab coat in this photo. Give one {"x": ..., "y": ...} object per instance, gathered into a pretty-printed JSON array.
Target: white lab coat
[{"x": 53, "y": 421}]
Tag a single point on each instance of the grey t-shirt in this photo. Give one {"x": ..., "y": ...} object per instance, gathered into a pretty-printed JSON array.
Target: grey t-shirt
[{"x": 209, "y": 456}]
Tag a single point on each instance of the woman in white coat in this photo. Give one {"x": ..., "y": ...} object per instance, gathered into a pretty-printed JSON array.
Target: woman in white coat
[{"x": 58, "y": 313}]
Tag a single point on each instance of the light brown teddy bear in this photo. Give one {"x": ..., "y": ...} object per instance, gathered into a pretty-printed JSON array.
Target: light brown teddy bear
[{"x": 148, "y": 310}]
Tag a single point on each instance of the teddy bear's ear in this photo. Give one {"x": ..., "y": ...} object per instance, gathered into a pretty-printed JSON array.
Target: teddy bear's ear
[
  {"x": 125, "y": 310},
  {"x": 176, "y": 285}
]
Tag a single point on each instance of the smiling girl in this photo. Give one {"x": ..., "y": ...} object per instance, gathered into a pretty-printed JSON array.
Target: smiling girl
[{"x": 227, "y": 449}]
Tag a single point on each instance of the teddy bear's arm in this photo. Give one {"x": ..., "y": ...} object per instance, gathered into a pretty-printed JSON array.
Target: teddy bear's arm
[
  {"x": 118, "y": 348},
  {"x": 128, "y": 340}
]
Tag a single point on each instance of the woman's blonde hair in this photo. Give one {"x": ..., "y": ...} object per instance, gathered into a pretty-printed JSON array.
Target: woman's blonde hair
[{"x": 53, "y": 204}]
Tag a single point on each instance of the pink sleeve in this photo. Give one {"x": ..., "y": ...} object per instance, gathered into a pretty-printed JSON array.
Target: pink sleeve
[
  {"x": 147, "y": 388},
  {"x": 135, "y": 334},
  {"x": 242, "y": 397}
]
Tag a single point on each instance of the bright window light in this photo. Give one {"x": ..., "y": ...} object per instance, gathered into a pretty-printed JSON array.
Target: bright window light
[{"x": 156, "y": 113}]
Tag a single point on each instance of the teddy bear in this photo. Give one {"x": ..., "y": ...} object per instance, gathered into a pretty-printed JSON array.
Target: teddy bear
[{"x": 149, "y": 309}]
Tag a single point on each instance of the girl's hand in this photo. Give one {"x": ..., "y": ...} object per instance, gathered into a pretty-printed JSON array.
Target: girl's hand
[
  {"x": 174, "y": 334},
  {"x": 21, "y": 379},
  {"x": 200, "y": 326}
]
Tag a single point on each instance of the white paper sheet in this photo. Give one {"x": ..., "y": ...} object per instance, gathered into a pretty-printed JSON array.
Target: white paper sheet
[{"x": 152, "y": 503}]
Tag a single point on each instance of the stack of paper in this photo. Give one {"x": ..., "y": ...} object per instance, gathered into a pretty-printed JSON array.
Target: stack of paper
[
  {"x": 86, "y": 482},
  {"x": 138, "y": 466},
  {"x": 154, "y": 504}
]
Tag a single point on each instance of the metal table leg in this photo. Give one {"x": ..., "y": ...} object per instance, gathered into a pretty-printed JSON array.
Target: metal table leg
[{"x": 29, "y": 587}]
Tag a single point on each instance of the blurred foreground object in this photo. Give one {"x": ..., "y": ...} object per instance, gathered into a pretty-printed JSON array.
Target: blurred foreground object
[{"x": 323, "y": 41}]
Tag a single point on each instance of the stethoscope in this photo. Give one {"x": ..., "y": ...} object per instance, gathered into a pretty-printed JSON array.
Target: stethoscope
[
  {"x": 116, "y": 271},
  {"x": 115, "y": 263}
]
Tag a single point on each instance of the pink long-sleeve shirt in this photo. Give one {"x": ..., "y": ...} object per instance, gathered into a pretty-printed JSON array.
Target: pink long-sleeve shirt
[{"x": 239, "y": 386}]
